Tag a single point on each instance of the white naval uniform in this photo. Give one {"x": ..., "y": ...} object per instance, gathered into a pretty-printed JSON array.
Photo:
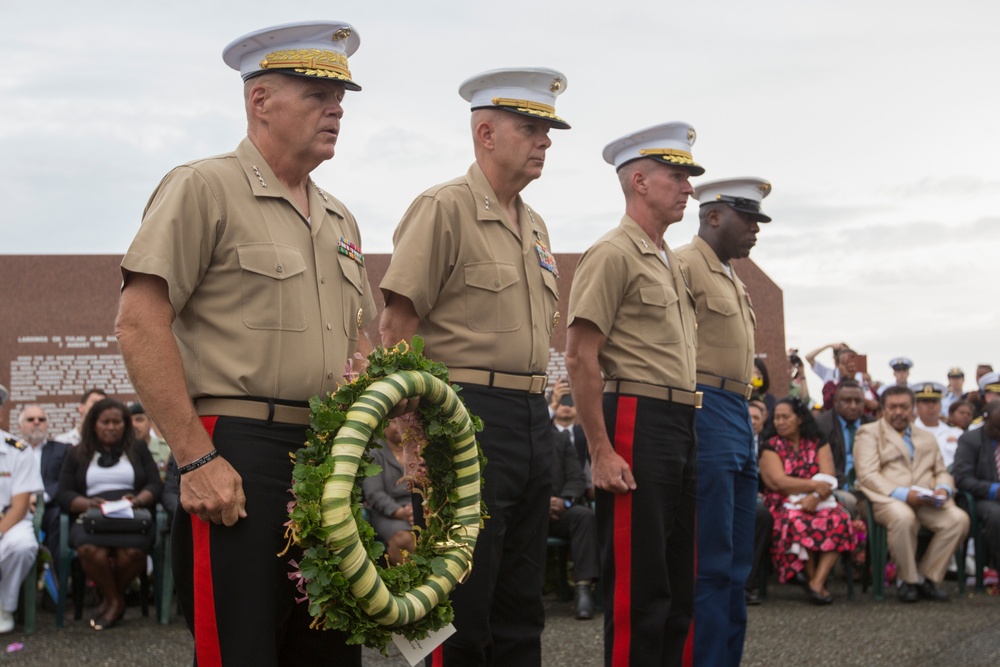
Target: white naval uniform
[
  {"x": 947, "y": 439},
  {"x": 19, "y": 473}
]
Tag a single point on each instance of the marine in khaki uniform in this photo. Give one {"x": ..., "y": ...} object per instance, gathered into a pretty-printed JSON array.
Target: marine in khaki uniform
[
  {"x": 729, "y": 220},
  {"x": 631, "y": 360},
  {"x": 244, "y": 294},
  {"x": 472, "y": 272}
]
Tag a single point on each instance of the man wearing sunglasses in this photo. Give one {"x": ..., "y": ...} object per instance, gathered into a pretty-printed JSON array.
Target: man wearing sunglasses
[{"x": 33, "y": 423}]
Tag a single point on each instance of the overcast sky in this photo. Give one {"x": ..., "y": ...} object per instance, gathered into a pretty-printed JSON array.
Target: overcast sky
[{"x": 877, "y": 124}]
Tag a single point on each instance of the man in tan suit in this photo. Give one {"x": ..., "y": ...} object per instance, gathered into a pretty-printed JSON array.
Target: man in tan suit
[{"x": 892, "y": 459}]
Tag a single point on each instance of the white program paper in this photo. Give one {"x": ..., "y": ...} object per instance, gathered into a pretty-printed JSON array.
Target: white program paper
[{"x": 118, "y": 509}]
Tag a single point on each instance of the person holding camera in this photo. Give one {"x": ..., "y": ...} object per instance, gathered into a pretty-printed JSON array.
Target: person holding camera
[{"x": 798, "y": 386}]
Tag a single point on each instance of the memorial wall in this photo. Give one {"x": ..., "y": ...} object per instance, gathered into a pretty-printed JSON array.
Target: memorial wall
[{"x": 57, "y": 338}]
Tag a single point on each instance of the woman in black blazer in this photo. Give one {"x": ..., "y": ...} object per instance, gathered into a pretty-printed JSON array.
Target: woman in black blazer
[{"x": 109, "y": 464}]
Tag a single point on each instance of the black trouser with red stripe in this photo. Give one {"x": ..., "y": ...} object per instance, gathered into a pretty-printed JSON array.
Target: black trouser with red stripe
[
  {"x": 233, "y": 588},
  {"x": 648, "y": 536},
  {"x": 499, "y": 615}
]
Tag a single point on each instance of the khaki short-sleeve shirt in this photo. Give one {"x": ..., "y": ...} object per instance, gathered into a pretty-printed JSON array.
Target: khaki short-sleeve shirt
[
  {"x": 623, "y": 285},
  {"x": 267, "y": 303},
  {"x": 486, "y": 298},
  {"x": 726, "y": 321}
]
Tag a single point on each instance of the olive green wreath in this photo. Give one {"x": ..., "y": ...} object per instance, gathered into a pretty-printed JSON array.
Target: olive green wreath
[{"x": 339, "y": 572}]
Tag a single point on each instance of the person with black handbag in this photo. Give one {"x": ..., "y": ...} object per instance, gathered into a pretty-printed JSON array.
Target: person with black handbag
[{"x": 110, "y": 464}]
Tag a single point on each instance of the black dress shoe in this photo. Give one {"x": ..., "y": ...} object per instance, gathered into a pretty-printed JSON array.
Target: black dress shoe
[
  {"x": 931, "y": 591},
  {"x": 908, "y": 593},
  {"x": 818, "y": 598},
  {"x": 584, "y": 602},
  {"x": 752, "y": 598}
]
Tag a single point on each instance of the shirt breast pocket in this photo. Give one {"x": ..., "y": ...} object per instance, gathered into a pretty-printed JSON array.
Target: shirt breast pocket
[
  {"x": 353, "y": 291},
  {"x": 273, "y": 285},
  {"x": 724, "y": 312},
  {"x": 659, "y": 321},
  {"x": 491, "y": 297}
]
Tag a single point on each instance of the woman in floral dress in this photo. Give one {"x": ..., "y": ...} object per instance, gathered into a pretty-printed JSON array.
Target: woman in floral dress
[{"x": 810, "y": 529}]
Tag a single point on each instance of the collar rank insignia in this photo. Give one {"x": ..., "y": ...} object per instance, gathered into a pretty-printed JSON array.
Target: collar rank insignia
[
  {"x": 546, "y": 259},
  {"x": 16, "y": 444},
  {"x": 348, "y": 248}
]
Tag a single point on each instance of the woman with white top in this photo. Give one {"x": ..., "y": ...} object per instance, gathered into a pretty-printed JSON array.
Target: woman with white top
[{"x": 109, "y": 464}]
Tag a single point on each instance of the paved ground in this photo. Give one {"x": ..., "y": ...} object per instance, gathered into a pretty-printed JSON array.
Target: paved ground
[{"x": 785, "y": 630}]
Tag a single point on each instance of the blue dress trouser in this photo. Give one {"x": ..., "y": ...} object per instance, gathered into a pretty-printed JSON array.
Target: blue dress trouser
[{"x": 727, "y": 495}]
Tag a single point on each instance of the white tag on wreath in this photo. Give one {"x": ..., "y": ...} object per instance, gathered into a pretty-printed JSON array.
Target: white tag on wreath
[{"x": 415, "y": 651}]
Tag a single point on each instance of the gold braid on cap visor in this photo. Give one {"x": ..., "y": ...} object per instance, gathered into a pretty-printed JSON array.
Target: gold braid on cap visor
[
  {"x": 529, "y": 107},
  {"x": 669, "y": 155},
  {"x": 312, "y": 62}
]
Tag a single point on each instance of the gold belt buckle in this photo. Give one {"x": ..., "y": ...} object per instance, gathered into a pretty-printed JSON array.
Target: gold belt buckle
[
  {"x": 697, "y": 399},
  {"x": 748, "y": 392},
  {"x": 538, "y": 383}
]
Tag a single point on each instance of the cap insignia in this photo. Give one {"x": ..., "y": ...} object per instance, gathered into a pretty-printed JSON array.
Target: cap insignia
[
  {"x": 557, "y": 84},
  {"x": 527, "y": 106},
  {"x": 691, "y": 135},
  {"x": 765, "y": 188},
  {"x": 314, "y": 62},
  {"x": 669, "y": 155},
  {"x": 343, "y": 33}
]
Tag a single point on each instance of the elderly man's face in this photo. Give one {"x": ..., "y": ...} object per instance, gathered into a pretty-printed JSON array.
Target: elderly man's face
[
  {"x": 669, "y": 189},
  {"x": 898, "y": 411},
  {"x": 303, "y": 115},
  {"x": 34, "y": 425},
  {"x": 520, "y": 145}
]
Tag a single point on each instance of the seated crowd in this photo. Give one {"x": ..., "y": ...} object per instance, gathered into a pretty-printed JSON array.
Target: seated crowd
[
  {"x": 907, "y": 450},
  {"x": 105, "y": 457}
]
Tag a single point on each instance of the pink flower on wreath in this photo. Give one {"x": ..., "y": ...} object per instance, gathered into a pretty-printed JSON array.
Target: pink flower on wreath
[{"x": 300, "y": 581}]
